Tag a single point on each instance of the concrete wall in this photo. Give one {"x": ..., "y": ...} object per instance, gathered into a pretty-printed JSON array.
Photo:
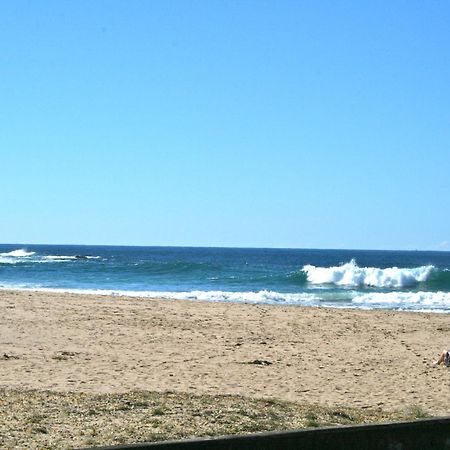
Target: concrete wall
[{"x": 427, "y": 434}]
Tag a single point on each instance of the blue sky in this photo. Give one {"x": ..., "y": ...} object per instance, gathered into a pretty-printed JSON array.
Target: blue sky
[{"x": 226, "y": 123}]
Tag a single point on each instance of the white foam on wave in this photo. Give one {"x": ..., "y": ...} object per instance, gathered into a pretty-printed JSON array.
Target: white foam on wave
[
  {"x": 23, "y": 256},
  {"x": 263, "y": 296},
  {"x": 350, "y": 274},
  {"x": 6, "y": 260},
  {"x": 436, "y": 302},
  {"x": 68, "y": 257},
  {"x": 212, "y": 296},
  {"x": 59, "y": 258},
  {"x": 423, "y": 301},
  {"x": 20, "y": 253}
]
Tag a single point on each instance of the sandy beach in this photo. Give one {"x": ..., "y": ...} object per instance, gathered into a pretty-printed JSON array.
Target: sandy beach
[{"x": 330, "y": 357}]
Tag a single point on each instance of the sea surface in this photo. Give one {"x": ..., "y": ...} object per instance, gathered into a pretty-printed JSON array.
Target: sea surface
[{"x": 395, "y": 280}]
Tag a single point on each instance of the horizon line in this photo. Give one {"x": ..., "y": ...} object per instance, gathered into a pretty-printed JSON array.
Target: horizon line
[{"x": 225, "y": 247}]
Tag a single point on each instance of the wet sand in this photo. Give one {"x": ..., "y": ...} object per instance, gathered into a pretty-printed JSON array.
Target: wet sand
[{"x": 330, "y": 357}]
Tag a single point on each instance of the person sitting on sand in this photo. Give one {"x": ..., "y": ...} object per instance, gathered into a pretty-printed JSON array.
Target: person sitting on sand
[{"x": 445, "y": 358}]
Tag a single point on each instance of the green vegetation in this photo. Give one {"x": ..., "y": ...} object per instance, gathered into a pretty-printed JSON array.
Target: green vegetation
[
  {"x": 416, "y": 412},
  {"x": 43, "y": 419}
]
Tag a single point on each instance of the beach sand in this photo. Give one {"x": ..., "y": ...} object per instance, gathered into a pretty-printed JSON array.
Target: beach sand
[{"x": 330, "y": 357}]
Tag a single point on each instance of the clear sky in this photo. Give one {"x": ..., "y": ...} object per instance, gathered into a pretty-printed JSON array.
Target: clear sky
[{"x": 258, "y": 123}]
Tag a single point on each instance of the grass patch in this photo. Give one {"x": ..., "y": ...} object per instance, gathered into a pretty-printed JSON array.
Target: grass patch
[
  {"x": 416, "y": 412},
  {"x": 67, "y": 420},
  {"x": 35, "y": 418},
  {"x": 158, "y": 411},
  {"x": 312, "y": 423}
]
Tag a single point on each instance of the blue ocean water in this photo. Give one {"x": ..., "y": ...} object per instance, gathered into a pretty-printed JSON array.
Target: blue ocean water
[{"x": 400, "y": 280}]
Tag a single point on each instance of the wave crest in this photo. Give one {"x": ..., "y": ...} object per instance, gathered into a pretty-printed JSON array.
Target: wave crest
[
  {"x": 350, "y": 274},
  {"x": 20, "y": 253}
]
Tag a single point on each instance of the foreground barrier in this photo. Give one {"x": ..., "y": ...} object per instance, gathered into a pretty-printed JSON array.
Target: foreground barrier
[{"x": 425, "y": 434}]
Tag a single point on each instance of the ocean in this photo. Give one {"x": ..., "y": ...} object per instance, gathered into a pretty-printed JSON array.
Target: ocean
[{"x": 366, "y": 279}]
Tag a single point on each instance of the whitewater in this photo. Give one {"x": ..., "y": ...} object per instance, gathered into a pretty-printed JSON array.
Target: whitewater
[
  {"x": 351, "y": 275},
  {"x": 414, "y": 281}
]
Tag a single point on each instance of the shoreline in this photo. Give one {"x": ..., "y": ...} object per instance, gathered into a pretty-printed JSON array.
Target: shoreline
[
  {"x": 178, "y": 296},
  {"x": 325, "y": 356}
]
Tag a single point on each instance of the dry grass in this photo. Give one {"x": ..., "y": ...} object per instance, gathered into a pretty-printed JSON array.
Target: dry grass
[{"x": 53, "y": 420}]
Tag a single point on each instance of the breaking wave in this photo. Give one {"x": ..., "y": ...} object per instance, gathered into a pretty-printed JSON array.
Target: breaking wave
[
  {"x": 23, "y": 256},
  {"x": 351, "y": 275},
  {"x": 20, "y": 253},
  {"x": 415, "y": 281}
]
